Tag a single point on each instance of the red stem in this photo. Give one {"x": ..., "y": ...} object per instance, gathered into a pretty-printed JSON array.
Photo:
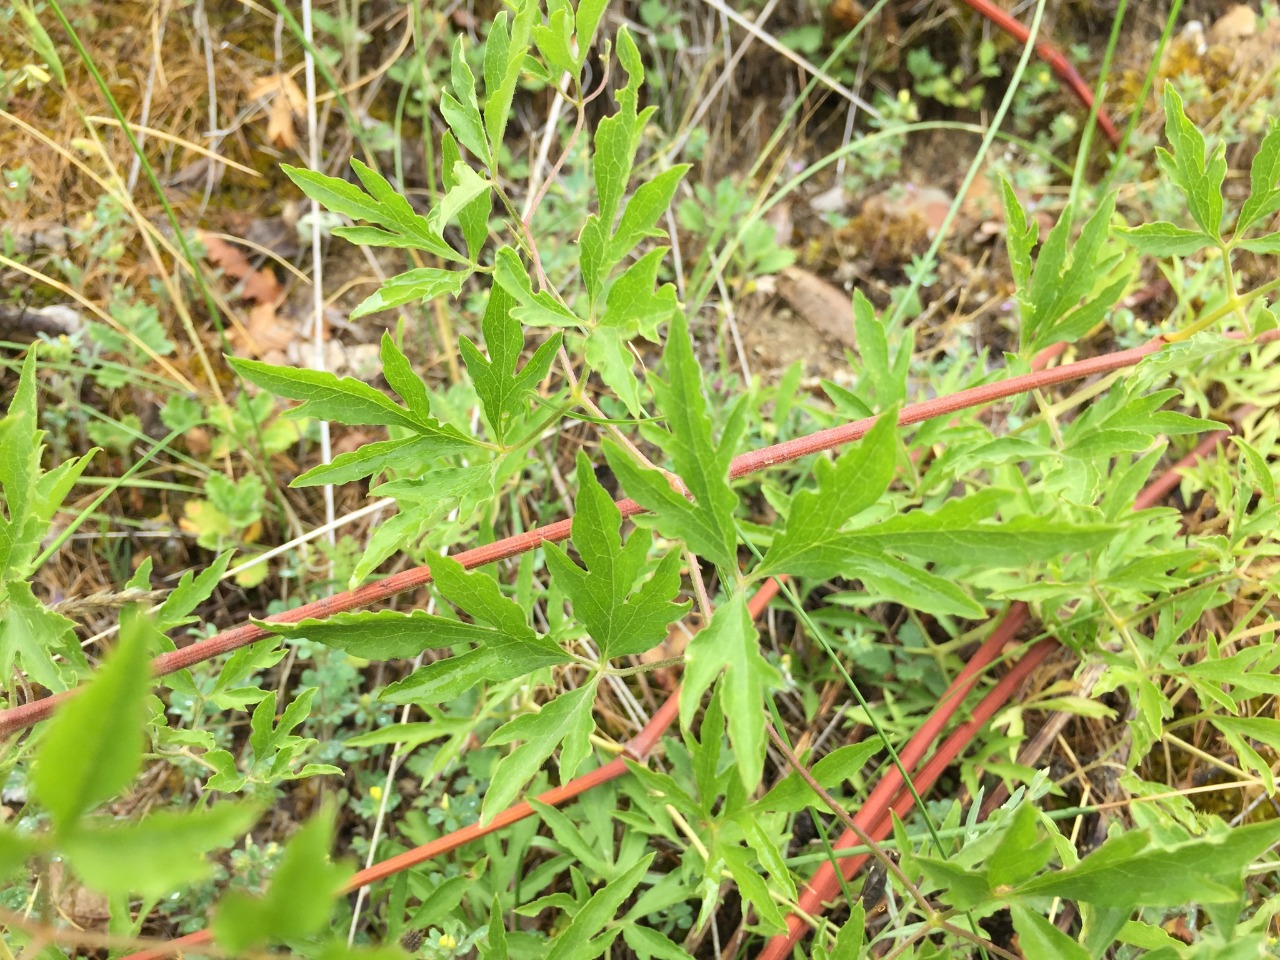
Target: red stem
[
  {"x": 1056, "y": 59},
  {"x": 875, "y": 819},
  {"x": 638, "y": 750},
  {"x": 19, "y": 717},
  {"x": 873, "y": 816},
  {"x": 1163, "y": 485}
]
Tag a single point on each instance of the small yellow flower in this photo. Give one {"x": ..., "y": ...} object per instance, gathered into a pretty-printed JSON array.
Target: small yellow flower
[
  {"x": 375, "y": 792},
  {"x": 444, "y": 802},
  {"x": 447, "y": 941}
]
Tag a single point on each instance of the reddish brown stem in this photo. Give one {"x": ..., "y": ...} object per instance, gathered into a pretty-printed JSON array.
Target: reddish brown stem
[
  {"x": 874, "y": 817},
  {"x": 19, "y": 717},
  {"x": 889, "y": 794},
  {"x": 638, "y": 750},
  {"x": 1163, "y": 485},
  {"x": 1056, "y": 59}
]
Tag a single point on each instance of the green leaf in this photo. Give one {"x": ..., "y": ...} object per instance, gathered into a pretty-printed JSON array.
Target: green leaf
[
  {"x": 592, "y": 253},
  {"x": 1020, "y": 235},
  {"x": 1105, "y": 444},
  {"x": 388, "y": 634},
  {"x": 410, "y": 735},
  {"x": 346, "y": 400},
  {"x": 852, "y": 936},
  {"x": 568, "y": 836},
  {"x": 1264, "y": 181},
  {"x": 503, "y": 393},
  {"x": 402, "y": 225},
  {"x": 325, "y": 396},
  {"x": 31, "y": 635},
  {"x": 30, "y": 495},
  {"x": 618, "y": 137},
  {"x": 1164, "y": 239},
  {"x": 1258, "y": 466},
  {"x": 443, "y": 680},
  {"x": 1137, "y": 869},
  {"x": 403, "y": 380},
  {"x": 909, "y": 585},
  {"x": 371, "y": 459},
  {"x": 417, "y": 286},
  {"x": 269, "y": 737},
  {"x": 958, "y": 533},
  {"x": 643, "y": 211},
  {"x": 579, "y": 941},
  {"x": 536, "y": 309},
  {"x": 1142, "y": 412},
  {"x": 963, "y": 887},
  {"x": 554, "y": 41},
  {"x": 1147, "y": 936},
  {"x": 496, "y": 948},
  {"x": 191, "y": 591},
  {"x": 887, "y": 376},
  {"x": 767, "y": 852},
  {"x": 1037, "y": 937},
  {"x": 565, "y": 719},
  {"x": 729, "y": 645},
  {"x": 752, "y": 887},
  {"x": 435, "y": 493},
  {"x": 159, "y": 854},
  {"x": 376, "y": 237},
  {"x": 706, "y": 752},
  {"x": 1051, "y": 309},
  {"x": 1199, "y": 179},
  {"x": 609, "y": 355},
  {"x": 792, "y": 794},
  {"x": 1239, "y": 732},
  {"x": 859, "y": 477},
  {"x": 504, "y": 59},
  {"x": 462, "y": 186},
  {"x": 1270, "y": 244},
  {"x": 93, "y": 747},
  {"x": 506, "y": 646},
  {"x": 587, "y": 19},
  {"x": 468, "y": 196},
  {"x": 1021, "y": 852},
  {"x": 299, "y": 901},
  {"x": 706, "y": 525},
  {"x": 461, "y": 110},
  {"x": 621, "y": 620},
  {"x": 633, "y": 305},
  {"x": 649, "y": 944},
  {"x": 440, "y": 902}
]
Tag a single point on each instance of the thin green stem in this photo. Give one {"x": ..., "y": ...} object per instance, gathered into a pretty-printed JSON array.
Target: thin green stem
[
  {"x": 179, "y": 235},
  {"x": 74, "y": 525},
  {"x": 819, "y": 634}
]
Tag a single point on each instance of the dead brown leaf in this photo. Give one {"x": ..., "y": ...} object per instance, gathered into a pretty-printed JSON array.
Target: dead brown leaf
[
  {"x": 265, "y": 335},
  {"x": 822, "y": 305},
  {"x": 285, "y": 101},
  {"x": 260, "y": 286}
]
